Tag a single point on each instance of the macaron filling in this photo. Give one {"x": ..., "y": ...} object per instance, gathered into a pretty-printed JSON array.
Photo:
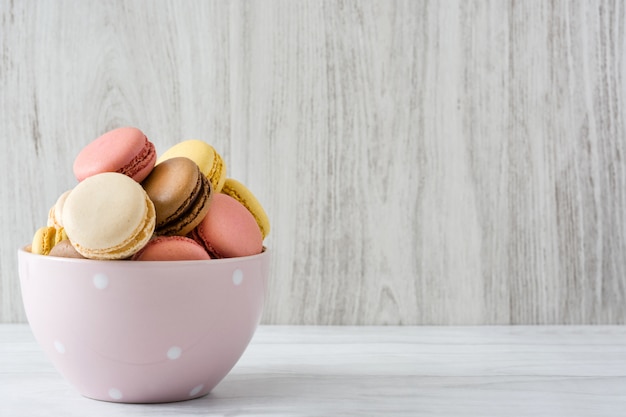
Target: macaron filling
[
  {"x": 216, "y": 174},
  {"x": 144, "y": 161},
  {"x": 199, "y": 237}
]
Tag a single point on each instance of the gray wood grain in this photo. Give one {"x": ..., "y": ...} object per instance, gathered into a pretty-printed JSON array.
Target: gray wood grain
[{"x": 421, "y": 162}]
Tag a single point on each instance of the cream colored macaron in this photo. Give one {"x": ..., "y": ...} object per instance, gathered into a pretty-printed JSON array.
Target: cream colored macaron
[
  {"x": 108, "y": 216},
  {"x": 55, "y": 215}
]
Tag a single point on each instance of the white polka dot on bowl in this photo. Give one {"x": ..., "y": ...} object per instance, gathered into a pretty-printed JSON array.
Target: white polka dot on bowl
[
  {"x": 237, "y": 276},
  {"x": 174, "y": 352},
  {"x": 100, "y": 281},
  {"x": 60, "y": 347},
  {"x": 115, "y": 394},
  {"x": 196, "y": 390}
]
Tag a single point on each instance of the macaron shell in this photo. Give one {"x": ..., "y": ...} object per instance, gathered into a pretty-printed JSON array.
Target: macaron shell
[
  {"x": 228, "y": 230},
  {"x": 209, "y": 161},
  {"x": 243, "y": 195},
  {"x": 108, "y": 216},
  {"x": 171, "y": 248},
  {"x": 124, "y": 150}
]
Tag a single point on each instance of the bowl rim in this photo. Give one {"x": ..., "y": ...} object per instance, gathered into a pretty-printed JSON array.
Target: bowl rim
[{"x": 143, "y": 264}]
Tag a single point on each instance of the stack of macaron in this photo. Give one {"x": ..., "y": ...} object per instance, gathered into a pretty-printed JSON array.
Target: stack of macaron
[{"x": 130, "y": 205}]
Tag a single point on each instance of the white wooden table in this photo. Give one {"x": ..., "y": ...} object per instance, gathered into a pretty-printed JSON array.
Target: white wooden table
[{"x": 369, "y": 371}]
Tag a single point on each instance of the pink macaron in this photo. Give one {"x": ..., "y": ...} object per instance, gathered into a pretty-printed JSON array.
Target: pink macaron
[
  {"x": 125, "y": 150},
  {"x": 171, "y": 248},
  {"x": 228, "y": 230}
]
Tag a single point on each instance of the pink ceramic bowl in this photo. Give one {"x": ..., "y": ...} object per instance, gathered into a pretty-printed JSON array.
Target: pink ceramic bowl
[{"x": 143, "y": 332}]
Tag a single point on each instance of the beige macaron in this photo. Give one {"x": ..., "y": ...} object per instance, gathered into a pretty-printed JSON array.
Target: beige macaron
[
  {"x": 55, "y": 215},
  {"x": 108, "y": 216}
]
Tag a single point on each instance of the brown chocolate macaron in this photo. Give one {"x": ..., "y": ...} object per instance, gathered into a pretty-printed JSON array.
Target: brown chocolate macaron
[{"x": 181, "y": 195}]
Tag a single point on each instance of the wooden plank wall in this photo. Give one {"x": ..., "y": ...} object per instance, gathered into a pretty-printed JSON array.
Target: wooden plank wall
[{"x": 422, "y": 162}]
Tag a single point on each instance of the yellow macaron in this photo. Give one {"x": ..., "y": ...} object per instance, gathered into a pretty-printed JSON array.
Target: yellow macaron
[
  {"x": 46, "y": 238},
  {"x": 241, "y": 193},
  {"x": 204, "y": 155}
]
